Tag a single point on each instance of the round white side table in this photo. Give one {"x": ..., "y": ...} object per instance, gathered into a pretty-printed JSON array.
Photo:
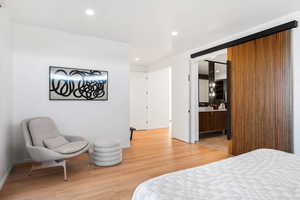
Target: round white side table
[{"x": 106, "y": 153}]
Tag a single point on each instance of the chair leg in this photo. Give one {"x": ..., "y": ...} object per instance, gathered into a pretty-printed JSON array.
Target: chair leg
[
  {"x": 131, "y": 132},
  {"x": 49, "y": 164},
  {"x": 90, "y": 152},
  {"x": 65, "y": 170}
]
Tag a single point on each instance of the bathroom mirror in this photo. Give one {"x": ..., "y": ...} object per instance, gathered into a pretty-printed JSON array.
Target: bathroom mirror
[
  {"x": 203, "y": 84},
  {"x": 212, "y": 82},
  {"x": 220, "y": 83}
]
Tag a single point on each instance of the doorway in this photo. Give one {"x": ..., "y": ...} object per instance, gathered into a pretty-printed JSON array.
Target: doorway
[
  {"x": 212, "y": 101},
  {"x": 150, "y": 101},
  {"x": 260, "y": 93}
]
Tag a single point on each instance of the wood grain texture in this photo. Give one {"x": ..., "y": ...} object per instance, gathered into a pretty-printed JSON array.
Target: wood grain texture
[
  {"x": 205, "y": 121},
  {"x": 152, "y": 154},
  {"x": 220, "y": 120},
  {"x": 261, "y": 94},
  {"x": 212, "y": 121}
]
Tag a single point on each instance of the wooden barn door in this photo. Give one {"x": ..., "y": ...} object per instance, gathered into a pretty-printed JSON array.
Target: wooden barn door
[{"x": 261, "y": 94}]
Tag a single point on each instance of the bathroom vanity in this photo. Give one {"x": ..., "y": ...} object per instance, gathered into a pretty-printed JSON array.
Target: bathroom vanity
[{"x": 212, "y": 120}]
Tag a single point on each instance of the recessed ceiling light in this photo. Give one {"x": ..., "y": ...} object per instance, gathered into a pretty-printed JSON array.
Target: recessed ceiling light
[
  {"x": 90, "y": 12},
  {"x": 137, "y": 59},
  {"x": 174, "y": 33}
]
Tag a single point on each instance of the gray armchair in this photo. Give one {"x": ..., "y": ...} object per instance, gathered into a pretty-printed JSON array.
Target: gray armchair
[{"x": 37, "y": 130}]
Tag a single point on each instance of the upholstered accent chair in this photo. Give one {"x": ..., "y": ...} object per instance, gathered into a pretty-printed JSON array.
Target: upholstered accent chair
[{"x": 46, "y": 145}]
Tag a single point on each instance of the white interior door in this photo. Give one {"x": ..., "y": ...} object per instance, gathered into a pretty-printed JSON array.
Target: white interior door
[
  {"x": 180, "y": 98},
  {"x": 138, "y": 100},
  {"x": 194, "y": 102},
  {"x": 159, "y": 98}
]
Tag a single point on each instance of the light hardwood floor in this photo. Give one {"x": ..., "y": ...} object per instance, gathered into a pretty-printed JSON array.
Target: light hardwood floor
[
  {"x": 215, "y": 141},
  {"x": 152, "y": 153}
]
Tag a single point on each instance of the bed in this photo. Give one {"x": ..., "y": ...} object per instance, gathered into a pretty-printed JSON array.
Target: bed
[{"x": 258, "y": 175}]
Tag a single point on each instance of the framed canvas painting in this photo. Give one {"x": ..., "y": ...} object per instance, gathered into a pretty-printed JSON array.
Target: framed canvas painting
[{"x": 77, "y": 84}]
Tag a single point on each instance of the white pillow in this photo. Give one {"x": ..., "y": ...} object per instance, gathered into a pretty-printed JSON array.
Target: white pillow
[{"x": 53, "y": 143}]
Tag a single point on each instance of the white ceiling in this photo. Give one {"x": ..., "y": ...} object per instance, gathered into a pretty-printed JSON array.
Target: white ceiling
[{"x": 147, "y": 24}]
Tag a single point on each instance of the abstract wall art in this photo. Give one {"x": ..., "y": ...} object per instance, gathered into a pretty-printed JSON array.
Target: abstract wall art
[{"x": 77, "y": 84}]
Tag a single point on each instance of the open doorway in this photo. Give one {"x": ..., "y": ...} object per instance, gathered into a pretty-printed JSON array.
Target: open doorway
[
  {"x": 212, "y": 101},
  {"x": 150, "y": 102},
  {"x": 212, "y": 91}
]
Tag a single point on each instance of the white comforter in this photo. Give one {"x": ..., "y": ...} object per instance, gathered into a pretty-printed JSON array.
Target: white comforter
[{"x": 261, "y": 174}]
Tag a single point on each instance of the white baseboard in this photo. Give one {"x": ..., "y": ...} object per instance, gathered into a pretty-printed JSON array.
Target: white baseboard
[
  {"x": 4, "y": 177},
  {"x": 158, "y": 127}
]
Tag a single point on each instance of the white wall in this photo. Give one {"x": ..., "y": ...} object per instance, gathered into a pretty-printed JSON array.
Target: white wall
[
  {"x": 6, "y": 106},
  {"x": 138, "y": 99},
  {"x": 35, "y": 49},
  {"x": 158, "y": 98},
  {"x": 138, "y": 68}
]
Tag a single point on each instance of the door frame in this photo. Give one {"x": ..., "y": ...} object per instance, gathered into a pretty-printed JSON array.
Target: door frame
[{"x": 193, "y": 97}]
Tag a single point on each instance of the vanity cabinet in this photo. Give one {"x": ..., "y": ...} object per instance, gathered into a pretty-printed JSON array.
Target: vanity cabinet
[{"x": 212, "y": 121}]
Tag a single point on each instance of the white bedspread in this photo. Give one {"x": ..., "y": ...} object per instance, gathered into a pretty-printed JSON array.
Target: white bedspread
[{"x": 261, "y": 174}]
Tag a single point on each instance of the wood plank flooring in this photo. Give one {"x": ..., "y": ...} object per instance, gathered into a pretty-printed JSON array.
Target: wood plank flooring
[
  {"x": 152, "y": 153},
  {"x": 215, "y": 141}
]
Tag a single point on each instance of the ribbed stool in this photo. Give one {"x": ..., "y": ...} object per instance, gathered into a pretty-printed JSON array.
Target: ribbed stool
[{"x": 106, "y": 153}]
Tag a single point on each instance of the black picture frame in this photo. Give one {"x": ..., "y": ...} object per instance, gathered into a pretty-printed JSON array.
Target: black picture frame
[{"x": 71, "y": 90}]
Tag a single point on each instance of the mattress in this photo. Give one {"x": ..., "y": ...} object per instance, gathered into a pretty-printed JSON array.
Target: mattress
[{"x": 260, "y": 174}]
